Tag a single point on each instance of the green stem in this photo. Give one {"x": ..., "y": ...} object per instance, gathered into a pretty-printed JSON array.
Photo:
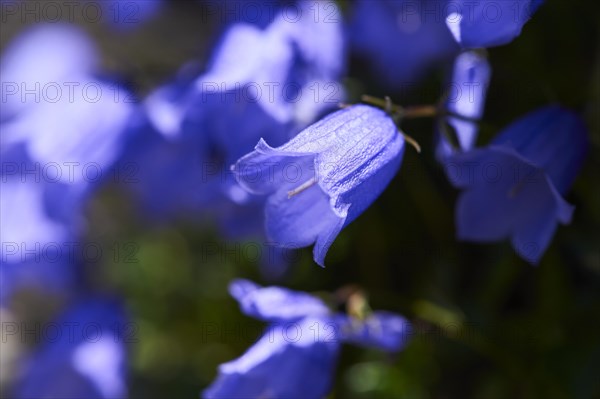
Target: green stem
[{"x": 417, "y": 111}]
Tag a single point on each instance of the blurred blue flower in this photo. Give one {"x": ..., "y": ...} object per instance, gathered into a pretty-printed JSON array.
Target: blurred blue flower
[
  {"x": 488, "y": 23},
  {"x": 325, "y": 177},
  {"x": 37, "y": 230},
  {"x": 61, "y": 130},
  {"x": 381, "y": 330},
  {"x": 290, "y": 70},
  {"x": 296, "y": 355},
  {"x": 246, "y": 60},
  {"x": 86, "y": 358},
  {"x": 37, "y": 63},
  {"x": 515, "y": 186},
  {"x": 466, "y": 97},
  {"x": 165, "y": 177},
  {"x": 81, "y": 135},
  {"x": 400, "y": 39},
  {"x": 62, "y": 114}
]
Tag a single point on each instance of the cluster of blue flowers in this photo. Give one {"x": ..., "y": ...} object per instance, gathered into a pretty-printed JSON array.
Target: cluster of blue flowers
[
  {"x": 296, "y": 355},
  {"x": 255, "y": 141}
]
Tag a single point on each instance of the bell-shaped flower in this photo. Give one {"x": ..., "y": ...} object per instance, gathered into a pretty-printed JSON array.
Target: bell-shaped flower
[
  {"x": 86, "y": 360},
  {"x": 400, "y": 39},
  {"x": 325, "y": 177},
  {"x": 297, "y": 354},
  {"x": 514, "y": 187},
  {"x": 466, "y": 97},
  {"x": 488, "y": 23}
]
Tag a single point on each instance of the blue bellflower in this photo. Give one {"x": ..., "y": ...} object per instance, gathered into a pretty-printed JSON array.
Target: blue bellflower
[
  {"x": 488, "y": 23},
  {"x": 297, "y": 354},
  {"x": 467, "y": 93},
  {"x": 325, "y": 177},
  {"x": 87, "y": 361},
  {"x": 514, "y": 187},
  {"x": 400, "y": 39}
]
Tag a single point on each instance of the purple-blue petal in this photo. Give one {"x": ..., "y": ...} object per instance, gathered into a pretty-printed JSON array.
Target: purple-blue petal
[
  {"x": 506, "y": 196},
  {"x": 488, "y": 23},
  {"x": 289, "y": 361},
  {"x": 43, "y": 56},
  {"x": 79, "y": 131},
  {"x": 275, "y": 303},
  {"x": 383, "y": 330},
  {"x": 552, "y": 138}
]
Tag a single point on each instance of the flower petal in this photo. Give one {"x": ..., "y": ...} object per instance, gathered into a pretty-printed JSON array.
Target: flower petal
[
  {"x": 384, "y": 330},
  {"x": 275, "y": 303},
  {"x": 289, "y": 361}
]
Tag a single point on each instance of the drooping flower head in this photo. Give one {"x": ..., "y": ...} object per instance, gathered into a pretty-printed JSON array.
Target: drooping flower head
[
  {"x": 488, "y": 23},
  {"x": 297, "y": 354},
  {"x": 325, "y": 177},
  {"x": 514, "y": 187}
]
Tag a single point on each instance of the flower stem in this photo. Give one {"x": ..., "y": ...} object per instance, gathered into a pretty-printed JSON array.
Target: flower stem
[{"x": 413, "y": 112}]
